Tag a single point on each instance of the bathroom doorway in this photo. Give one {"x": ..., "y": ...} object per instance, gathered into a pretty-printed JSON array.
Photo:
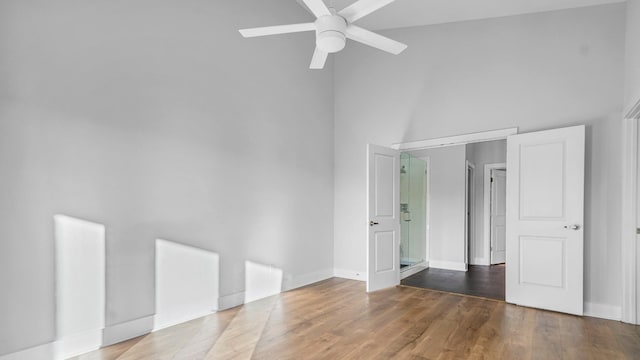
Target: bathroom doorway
[{"x": 414, "y": 190}]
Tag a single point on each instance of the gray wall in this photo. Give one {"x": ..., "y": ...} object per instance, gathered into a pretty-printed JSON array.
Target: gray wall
[
  {"x": 156, "y": 119},
  {"x": 536, "y": 72},
  {"x": 480, "y": 154},
  {"x": 446, "y": 203},
  {"x": 632, "y": 61}
]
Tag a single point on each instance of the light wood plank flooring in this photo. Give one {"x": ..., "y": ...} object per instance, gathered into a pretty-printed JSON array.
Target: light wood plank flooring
[{"x": 337, "y": 319}]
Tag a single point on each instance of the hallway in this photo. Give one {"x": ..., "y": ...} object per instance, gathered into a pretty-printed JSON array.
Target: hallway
[{"x": 481, "y": 281}]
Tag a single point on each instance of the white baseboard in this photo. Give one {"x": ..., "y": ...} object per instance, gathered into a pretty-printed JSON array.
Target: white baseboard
[
  {"x": 480, "y": 261},
  {"x": 448, "y": 265},
  {"x": 39, "y": 352},
  {"x": 306, "y": 279},
  {"x": 64, "y": 348},
  {"x": 350, "y": 274},
  {"x": 413, "y": 270},
  {"x": 230, "y": 301},
  {"x": 603, "y": 311},
  {"x": 114, "y": 334},
  {"x": 78, "y": 344},
  {"x": 159, "y": 323}
]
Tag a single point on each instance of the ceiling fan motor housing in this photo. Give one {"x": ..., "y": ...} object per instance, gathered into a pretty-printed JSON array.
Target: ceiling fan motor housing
[{"x": 330, "y": 33}]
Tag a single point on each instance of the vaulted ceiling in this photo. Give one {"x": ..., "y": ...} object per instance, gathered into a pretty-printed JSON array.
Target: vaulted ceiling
[{"x": 404, "y": 13}]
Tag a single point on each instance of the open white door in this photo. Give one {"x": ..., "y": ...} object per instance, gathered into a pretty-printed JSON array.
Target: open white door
[
  {"x": 383, "y": 210},
  {"x": 498, "y": 215},
  {"x": 545, "y": 200}
]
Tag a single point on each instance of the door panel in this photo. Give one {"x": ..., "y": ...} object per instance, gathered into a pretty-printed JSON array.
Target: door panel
[
  {"x": 542, "y": 181},
  {"x": 541, "y": 261},
  {"x": 384, "y": 173},
  {"x": 383, "y": 209},
  {"x": 385, "y": 245},
  {"x": 544, "y": 218}
]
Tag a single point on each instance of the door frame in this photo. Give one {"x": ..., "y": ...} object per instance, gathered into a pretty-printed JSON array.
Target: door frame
[
  {"x": 469, "y": 214},
  {"x": 486, "y": 220},
  {"x": 427, "y": 192},
  {"x": 630, "y": 222},
  {"x": 483, "y": 136},
  {"x": 471, "y": 138}
]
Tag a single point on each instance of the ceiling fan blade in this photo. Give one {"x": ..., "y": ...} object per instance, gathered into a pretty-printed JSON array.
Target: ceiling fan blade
[
  {"x": 317, "y": 7},
  {"x": 374, "y": 40},
  {"x": 362, "y": 8},
  {"x": 318, "y": 60},
  {"x": 278, "y": 29}
]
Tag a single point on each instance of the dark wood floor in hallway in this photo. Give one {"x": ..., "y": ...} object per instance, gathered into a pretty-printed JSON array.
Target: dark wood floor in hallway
[
  {"x": 337, "y": 319},
  {"x": 482, "y": 281}
]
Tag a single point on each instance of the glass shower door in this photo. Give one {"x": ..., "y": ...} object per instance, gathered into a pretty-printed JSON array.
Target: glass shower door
[{"x": 413, "y": 211}]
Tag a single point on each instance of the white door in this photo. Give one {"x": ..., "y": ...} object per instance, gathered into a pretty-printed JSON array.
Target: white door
[
  {"x": 545, "y": 199},
  {"x": 383, "y": 209},
  {"x": 498, "y": 215}
]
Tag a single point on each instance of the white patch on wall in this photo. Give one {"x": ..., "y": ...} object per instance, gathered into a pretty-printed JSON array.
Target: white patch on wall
[
  {"x": 187, "y": 283},
  {"x": 261, "y": 281},
  {"x": 80, "y": 285}
]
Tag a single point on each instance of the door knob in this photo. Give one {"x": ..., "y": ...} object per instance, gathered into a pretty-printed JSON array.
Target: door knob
[
  {"x": 572, "y": 227},
  {"x": 371, "y": 223}
]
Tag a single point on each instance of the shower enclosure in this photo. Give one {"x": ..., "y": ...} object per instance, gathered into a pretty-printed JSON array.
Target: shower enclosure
[{"x": 413, "y": 211}]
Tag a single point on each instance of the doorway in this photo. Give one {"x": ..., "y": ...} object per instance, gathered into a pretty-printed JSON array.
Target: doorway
[
  {"x": 413, "y": 214},
  {"x": 544, "y": 218},
  {"x": 457, "y": 196}
]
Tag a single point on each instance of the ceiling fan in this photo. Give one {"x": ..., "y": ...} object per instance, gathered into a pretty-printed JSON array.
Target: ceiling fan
[{"x": 333, "y": 28}]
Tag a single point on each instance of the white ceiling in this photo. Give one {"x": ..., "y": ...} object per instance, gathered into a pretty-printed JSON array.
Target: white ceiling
[{"x": 403, "y": 13}]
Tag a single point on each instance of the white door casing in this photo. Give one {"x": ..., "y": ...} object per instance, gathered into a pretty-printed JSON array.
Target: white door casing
[
  {"x": 486, "y": 211},
  {"x": 630, "y": 245},
  {"x": 637, "y": 211},
  {"x": 383, "y": 210},
  {"x": 498, "y": 215},
  {"x": 545, "y": 213},
  {"x": 469, "y": 211}
]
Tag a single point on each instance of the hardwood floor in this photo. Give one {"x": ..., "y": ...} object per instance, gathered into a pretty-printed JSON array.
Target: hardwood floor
[
  {"x": 483, "y": 281},
  {"x": 337, "y": 319}
]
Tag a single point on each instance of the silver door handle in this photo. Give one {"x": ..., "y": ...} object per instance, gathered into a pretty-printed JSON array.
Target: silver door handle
[
  {"x": 572, "y": 227},
  {"x": 371, "y": 223}
]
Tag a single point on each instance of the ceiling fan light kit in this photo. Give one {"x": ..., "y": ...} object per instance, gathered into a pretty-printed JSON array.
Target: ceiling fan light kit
[
  {"x": 331, "y": 33},
  {"x": 334, "y": 28}
]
